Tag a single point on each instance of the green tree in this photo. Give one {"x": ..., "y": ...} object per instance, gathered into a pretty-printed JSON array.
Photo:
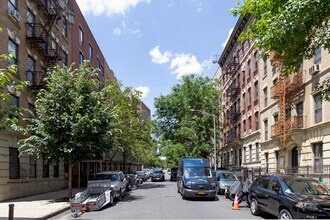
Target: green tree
[
  {"x": 181, "y": 127},
  {"x": 292, "y": 29},
  {"x": 132, "y": 135},
  {"x": 9, "y": 115},
  {"x": 73, "y": 120}
]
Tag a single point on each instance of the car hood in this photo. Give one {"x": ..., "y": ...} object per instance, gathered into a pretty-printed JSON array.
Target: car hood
[
  {"x": 195, "y": 181},
  {"x": 322, "y": 200}
]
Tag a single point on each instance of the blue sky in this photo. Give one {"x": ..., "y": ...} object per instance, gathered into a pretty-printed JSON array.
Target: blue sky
[{"x": 151, "y": 44}]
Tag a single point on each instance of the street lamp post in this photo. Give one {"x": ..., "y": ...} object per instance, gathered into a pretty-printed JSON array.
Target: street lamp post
[{"x": 214, "y": 135}]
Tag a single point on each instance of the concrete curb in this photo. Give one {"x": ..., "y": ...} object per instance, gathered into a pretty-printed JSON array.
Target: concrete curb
[{"x": 55, "y": 213}]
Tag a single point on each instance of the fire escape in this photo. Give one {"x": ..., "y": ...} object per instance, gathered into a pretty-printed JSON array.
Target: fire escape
[
  {"x": 285, "y": 91},
  {"x": 41, "y": 39},
  {"x": 233, "y": 93}
]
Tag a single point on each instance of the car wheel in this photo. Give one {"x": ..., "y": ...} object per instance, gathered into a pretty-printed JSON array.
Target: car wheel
[
  {"x": 183, "y": 196},
  {"x": 254, "y": 207},
  {"x": 120, "y": 195},
  {"x": 111, "y": 199},
  {"x": 284, "y": 214}
]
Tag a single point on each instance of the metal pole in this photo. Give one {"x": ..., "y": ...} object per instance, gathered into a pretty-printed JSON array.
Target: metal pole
[
  {"x": 11, "y": 212},
  {"x": 215, "y": 144}
]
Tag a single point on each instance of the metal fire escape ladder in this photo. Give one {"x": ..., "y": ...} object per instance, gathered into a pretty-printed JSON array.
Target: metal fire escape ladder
[{"x": 282, "y": 111}]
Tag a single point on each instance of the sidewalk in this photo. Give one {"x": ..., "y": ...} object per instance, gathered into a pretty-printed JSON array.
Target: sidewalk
[{"x": 40, "y": 206}]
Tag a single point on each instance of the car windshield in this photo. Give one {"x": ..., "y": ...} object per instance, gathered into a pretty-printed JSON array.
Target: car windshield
[
  {"x": 158, "y": 171},
  {"x": 174, "y": 169},
  {"x": 227, "y": 176},
  {"x": 140, "y": 172},
  {"x": 112, "y": 177},
  {"x": 306, "y": 187},
  {"x": 197, "y": 172}
]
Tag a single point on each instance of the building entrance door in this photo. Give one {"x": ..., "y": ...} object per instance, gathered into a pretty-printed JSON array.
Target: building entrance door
[{"x": 294, "y": 160}]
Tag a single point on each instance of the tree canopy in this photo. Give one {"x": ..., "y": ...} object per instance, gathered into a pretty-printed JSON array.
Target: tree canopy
[
  {"x": 293, "y": 29},
  {"x": 184, "y": 126}
]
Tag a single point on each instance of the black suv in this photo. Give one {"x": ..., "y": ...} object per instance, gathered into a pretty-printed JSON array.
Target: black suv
[{"x": 290, "y": 197}]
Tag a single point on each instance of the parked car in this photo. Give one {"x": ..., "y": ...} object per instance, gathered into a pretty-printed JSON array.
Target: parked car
[
  {"x": 141, "y": 175},
  {"x": 147, "y": 172},
  {"x": 225, "y": 179},
  {"x": 174, "y": 173},
  {"x": 157, "y": 175},
  {"x": 195, "y": 179},
  {"x": 118, "y": 182},
  {"x": 290, "y": 197}
]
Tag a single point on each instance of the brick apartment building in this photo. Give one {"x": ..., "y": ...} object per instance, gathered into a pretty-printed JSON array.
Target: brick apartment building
[
  {"x": 44, "y": 33},
  {"x": 275, "y": 123}
]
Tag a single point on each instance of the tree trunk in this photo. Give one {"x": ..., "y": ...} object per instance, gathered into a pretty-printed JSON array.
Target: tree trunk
[{"x": 70, "y": 179}]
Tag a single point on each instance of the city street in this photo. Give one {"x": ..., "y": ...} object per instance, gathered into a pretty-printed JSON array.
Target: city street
[{"x": 160, "y": 200}]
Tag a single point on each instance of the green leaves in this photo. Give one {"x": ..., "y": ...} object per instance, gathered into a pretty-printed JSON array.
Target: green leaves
[{"x": 181, "y": 127}]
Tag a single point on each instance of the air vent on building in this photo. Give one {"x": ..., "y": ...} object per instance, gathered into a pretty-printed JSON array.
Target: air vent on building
[{"x": 314, "y": 69}]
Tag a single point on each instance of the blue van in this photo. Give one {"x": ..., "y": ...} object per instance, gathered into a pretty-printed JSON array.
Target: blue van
[{"x": 196, "y": 179}]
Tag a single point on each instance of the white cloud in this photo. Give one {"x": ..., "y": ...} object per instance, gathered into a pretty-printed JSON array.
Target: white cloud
[
  {"x": 185, "y": 64},
  {"x": 229, "y": 33},
  {"x": 158, "y": 57},
  {"x": 122, "y": 30},
  {"x": 144, "y": 90},
  {"x": 108, "y": 7},
  {"x": 117, "y": 31}
]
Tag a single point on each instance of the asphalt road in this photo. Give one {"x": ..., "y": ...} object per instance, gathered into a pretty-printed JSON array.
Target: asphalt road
[{"x": 160, "y": 200}]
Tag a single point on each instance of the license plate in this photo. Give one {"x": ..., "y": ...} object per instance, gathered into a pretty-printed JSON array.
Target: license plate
[{"x": 201, "y": 193}]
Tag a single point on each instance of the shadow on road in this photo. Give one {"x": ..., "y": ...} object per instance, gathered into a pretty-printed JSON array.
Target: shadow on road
[
  {"x": 203, "y": 199},
  {"x": 151, "y": 185}
]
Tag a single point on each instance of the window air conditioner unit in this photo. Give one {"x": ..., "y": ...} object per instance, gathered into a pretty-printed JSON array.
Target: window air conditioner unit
[
  {"x": 314, "y": 69},
  {"x": 15, "y": 14}
]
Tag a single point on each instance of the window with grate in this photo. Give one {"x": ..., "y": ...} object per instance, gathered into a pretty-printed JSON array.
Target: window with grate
[
  {"x": 318, "y": 157},
  {"x": 56, "y": 170},
  {"x": 45, "y": 170},
  {"x": 32, "y": 167},
  {"x": 14, "y": 165}
]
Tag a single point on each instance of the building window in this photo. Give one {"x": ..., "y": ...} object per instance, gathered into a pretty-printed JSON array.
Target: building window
[
  {"x": 244, "y": 154},
  {"x": 265, "y": 67},
  {"x": 249, "y": 68},
  {"x": 317, "y": 55},
  {"x": 81, "y": 36},
  {"x": 266, "y": 96},
  {"x": 256, "y": 57},
  {"x": 13, "y": 104},
  {"x": 14, "y": 165},
  {"x": 102, "y": 71},
  {"x": 300, "y": 109},
  {"x": 45, "y": 170},
  {"x": 256, "y": 115},
  {"x": 56, "y": 170},
  {"x": 31, "y": 63},
  {"x": 257, "y": 151},
  {"x": 318, "y": 157},
  {"x": 250, "y": 122},
  {"x": 250, "y": 150},
  {"x": 13, "y": 49},
  {"x": 288, "y": 113},
  {"x": 243, "y": 49},
  {"x": 81, "y": 58},
  {"x": 256, "y": 90},
  {"x": 266, "y": 129},
  {"x": 90, "y": 52},
  {"x": 65, "y": 59},
  {"x": 275, "y": 118},
  {"x": 275, "y": 81},
  {"x": 244, "y": 125},
  {"x": 33, "y": 167},
  {"x": 318, "y": 108},
  {"x": 274, "y": 70},
  {"x": 12, "y": 5},
  {"x": 65, "y": 26},
  {"x": 30, "y": 23},
  {"x": 249, "y": 96},
  {"x": 244, "y": 102}
]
